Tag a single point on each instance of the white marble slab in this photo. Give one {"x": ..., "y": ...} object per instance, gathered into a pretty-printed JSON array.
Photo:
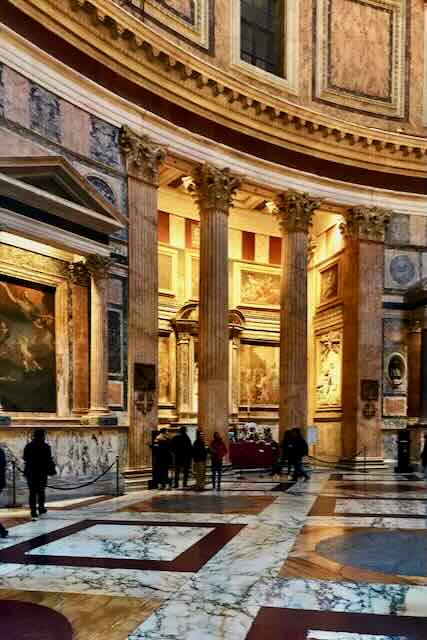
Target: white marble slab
[
  {"x": 114, "y": 582},
  {"x": 385, "y": 507},
  {"x": 376, "y": 522},
  {"x": 122, "y": 541},
  {"x": 30, "y": 530}
]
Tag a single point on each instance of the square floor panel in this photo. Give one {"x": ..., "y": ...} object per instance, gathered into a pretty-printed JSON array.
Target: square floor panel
[
  {"x": 367, "y": 507},
  {"x": 187, "y": 503},
  {"x": 113, "y": 545},
  {"x": 116, "y": 541},
  {"x": 293, "y": 624}
]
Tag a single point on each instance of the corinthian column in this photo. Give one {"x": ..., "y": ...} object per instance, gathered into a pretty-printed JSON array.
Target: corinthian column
[
  {"x": 213, "y": 190},
  {"x": 98, "y": 267},
  {"x": 294, "y": 211},
  {"x": 143, "y": 160},
  {"x": 363, "y": 278}
]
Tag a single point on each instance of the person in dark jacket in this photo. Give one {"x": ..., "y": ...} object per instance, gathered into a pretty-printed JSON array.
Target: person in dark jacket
[
  {"x": 200, "y": 453},
  {"x": 218, "y": 452},
  {"x": 39, "y": 465},
  {"x": 162, "y": 460},
  {"x": 298, "y": 448},
  {"x": 424, "y": 457},
  {"x": 182, "y": 450},
  {"x": 287, "y": 438},
  {"x": 3, "y": 531}
]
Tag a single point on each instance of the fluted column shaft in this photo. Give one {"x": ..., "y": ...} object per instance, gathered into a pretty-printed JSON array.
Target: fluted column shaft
[
  {"x": 98, "y": 345},
  {"x": 213, "y": 190},
  {"x": 183, "y": 375},
  {"x": 294, "y": 211},
  {"x": 143, "y": 163}
]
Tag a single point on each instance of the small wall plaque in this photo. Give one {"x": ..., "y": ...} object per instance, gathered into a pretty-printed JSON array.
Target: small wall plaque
[
  {"x": 369, "y": 390},
  {"x": 144, "y": 377}
]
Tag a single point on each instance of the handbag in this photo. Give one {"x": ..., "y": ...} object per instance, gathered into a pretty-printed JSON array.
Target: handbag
[{"x": 51, "y": 469}]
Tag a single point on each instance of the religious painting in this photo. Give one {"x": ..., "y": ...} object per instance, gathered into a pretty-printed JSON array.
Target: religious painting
[
  {"x": 27, "y": 347},
  {"x": 329, "y": 284},
  {"x": 164, "y": 370},
  {"x": 259, "y": 375},
  {"x": 165, "y": 272},
  {"x": 259, "y": 288},
  {"x": 328, "y": 370}
]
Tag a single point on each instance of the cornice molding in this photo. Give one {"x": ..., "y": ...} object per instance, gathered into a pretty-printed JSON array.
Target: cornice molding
[{"x": 188, "y": 80}]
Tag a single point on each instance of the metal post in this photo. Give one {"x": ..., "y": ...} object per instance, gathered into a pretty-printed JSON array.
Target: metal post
[
  {"x": 117, "y": 476},
  {"x": 364, "y": 459}
]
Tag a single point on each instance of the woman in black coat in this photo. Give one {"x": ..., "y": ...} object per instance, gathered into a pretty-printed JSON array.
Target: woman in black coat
[{"x": 39, "y": 465}]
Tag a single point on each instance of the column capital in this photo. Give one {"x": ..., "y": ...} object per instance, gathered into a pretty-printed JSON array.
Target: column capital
[
  {"x": 213, "y": 189},
  {"x": 366, "y": 223},
  {"x": 98, "y": 266},
  {"x": 78, "y": 273},
  {"x": 295, "y": 210},
  {"x": 143, "y": 156}
]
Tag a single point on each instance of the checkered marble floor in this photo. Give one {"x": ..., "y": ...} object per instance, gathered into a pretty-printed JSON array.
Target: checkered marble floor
[{"x": 262, "y": 558}]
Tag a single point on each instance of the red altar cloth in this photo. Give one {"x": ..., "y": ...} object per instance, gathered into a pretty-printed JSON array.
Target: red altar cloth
[{"x": 247, "y": 454}]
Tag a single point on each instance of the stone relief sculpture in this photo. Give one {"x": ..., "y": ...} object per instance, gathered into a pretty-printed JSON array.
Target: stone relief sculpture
[
  {"x": 329, "y": 284},
  {"x": 329, "y": 362}
]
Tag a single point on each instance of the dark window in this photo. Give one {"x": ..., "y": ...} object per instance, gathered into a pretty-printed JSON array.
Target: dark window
[{"x": 262, "y": 34}]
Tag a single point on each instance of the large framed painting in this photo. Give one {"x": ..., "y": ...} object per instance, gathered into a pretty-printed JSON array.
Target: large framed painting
[
  {"x": 259, "y": 287},
  {"x": 27, "y": 347},
  {"x": 259, "y": 375}
]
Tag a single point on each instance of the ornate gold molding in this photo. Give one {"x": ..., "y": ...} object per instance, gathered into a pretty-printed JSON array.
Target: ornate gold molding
[
  {"x": 366, "y": 223},
  {"x": 295, "y": 210},
  {"x": 142, "y": 155},
  {"x": 168, "y": 70},
  {"x": 213, "y": 189},
  {"x": 98, "y": 266}
]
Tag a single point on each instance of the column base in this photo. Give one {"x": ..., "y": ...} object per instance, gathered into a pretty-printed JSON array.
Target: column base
[
  {"x": 5, "y": 421},
  {"x": 107, "y": 420}
]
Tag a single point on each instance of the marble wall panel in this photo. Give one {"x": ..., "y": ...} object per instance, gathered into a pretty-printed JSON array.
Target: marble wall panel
[
  {"x": 80, "y": 454},
  {"x": 115, "y": 291},
  {"x": 16, "y": 100},
  {"x": 45, "y": 113},
  {"x": 418, "y": 230},
  {"x": 2, "y": 92},
  {"x": 402, "y": 269},
  {"x": 115, "y": 341},
  {"x": 360, "y": 39},
  {"x": 397, "y": 231},
  {"x": 390, "y": 445},
  {"x": 75, "y": 127},
  {"x": 104, "y": 142}
]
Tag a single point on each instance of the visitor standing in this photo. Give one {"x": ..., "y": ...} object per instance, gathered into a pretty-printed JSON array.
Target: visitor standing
[
  {"x": 286, "y": 457},
  {"x": 182, "y": 450},
  {"x": 298, "y": 448},
  {"x": 3, "y": 531},
  {"x": 200, "y": 453},
  {"x": 218, "y": 452},
  {"x": 39, "y": 465},
  {"x": 424, "y": 457},
  {"x": 162, "y": 460}
]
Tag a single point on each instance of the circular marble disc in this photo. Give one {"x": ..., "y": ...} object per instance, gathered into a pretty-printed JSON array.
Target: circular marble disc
[
  {"x": 392, "y": 552},
  {"x": 27, "y": 621}
]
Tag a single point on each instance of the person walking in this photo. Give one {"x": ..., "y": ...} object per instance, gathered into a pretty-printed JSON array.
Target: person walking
[
  {"x": 39, "y": 465},
  {"x": 286, "y": 457},
  {"x": 200, "y": 453},
  {"x": 3, "y": 531},
  {"x": 182, "y": 450},
  {"x": 162, "y": 460},
  {"x": 424, "y": 457},
  {"x": 298, "y": 448},
  {"x": 218, "y": 452}
]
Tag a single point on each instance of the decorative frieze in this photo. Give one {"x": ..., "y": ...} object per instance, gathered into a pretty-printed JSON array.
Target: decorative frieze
[
  {"x": 142, "y": 154},
  {"x": 295, "y": 210},
  {"x": 366, "y": 223},
  {"x": 213, "y": 189}
]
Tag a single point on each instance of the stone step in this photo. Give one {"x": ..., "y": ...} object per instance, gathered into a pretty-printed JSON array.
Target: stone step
[{"x": 136, "y": 479}]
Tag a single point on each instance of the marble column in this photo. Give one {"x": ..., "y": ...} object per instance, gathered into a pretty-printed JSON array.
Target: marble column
[
  {"x": 363, "y": 285},
  {"x": 98, "y": 267},
  {"x": 415, "y": 386},
  {"x": 213, "y": 190},
  {"x": 423, "y": 370},
  {"x": 294, "y": 211},
  {"x": 80, "y": 281},
  {"x": 184, "y": 369},
  {"x": 143, "y": 160}
]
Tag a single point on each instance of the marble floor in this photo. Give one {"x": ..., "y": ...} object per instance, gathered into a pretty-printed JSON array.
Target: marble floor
[{"x": 341, "y": 557}]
